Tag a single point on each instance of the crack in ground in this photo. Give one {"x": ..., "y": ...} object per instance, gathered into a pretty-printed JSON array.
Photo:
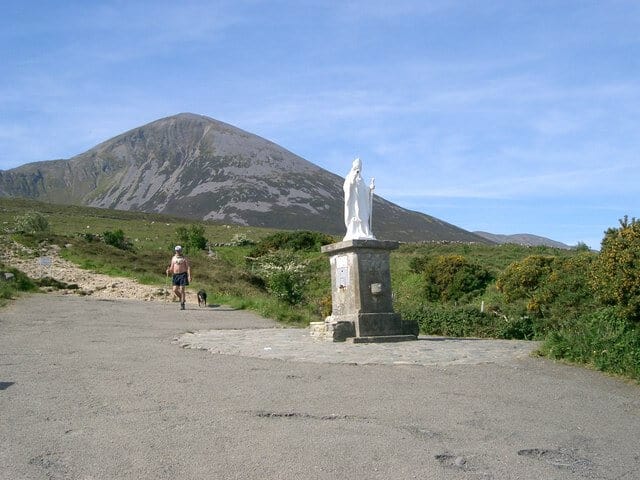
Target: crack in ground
[{"x": 333, "y": 416}]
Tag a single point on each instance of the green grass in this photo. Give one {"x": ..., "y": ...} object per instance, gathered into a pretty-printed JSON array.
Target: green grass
[
  {"x": 604, "y": 340},
  {"x": 12, "y": 283}
]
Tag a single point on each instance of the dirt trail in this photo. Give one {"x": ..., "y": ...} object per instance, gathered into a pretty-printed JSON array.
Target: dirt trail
[{"x": 47, "y": 263}]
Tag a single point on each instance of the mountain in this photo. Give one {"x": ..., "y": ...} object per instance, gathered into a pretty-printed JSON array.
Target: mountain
[
  {"x": 200, "y": 168},
  {"x": 523, "y": 239}
]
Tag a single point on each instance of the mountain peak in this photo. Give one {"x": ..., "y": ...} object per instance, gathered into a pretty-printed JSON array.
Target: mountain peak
[{"x": 197, "y": 167}]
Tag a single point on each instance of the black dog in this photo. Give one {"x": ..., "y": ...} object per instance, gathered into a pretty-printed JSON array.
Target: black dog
[{"x": 202, "y": 298}]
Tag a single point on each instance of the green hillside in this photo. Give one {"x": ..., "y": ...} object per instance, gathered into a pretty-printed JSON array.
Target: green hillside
[{"x": 583, "y": 305}]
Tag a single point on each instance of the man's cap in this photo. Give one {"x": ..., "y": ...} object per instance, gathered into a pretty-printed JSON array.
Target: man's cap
[{"x": 178, "y": 248}]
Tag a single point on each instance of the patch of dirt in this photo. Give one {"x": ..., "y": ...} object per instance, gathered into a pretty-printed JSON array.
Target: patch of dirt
[{"x": 46, "y": 262}]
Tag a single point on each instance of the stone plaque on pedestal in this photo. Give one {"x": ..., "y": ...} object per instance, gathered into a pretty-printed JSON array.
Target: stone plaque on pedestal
[{"x": 362, "y": 306}]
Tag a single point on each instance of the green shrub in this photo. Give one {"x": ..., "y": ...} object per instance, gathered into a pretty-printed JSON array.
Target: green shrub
[
  {"x": 32, "y": 222},
  {"x": 466, "y": 321},
  {"x": 449, "y": 278},
  {"x": 522, "y": 279},
  {"x": 604, "y": 338},
  {"x": 192, "y": 238},
  {"x": 418, "y": 264},
  {"x": 284, "y": 275},
  {"x": 13, "y": 281},
  {"x": 616, "y": 276},
  {"x": 302, "y": 240},
  {"x": 549, "y": 290},
  {"x": 567, "y": 293},
  {"x": 521, "y": 327},
  {"x": 117, "y": 239}
]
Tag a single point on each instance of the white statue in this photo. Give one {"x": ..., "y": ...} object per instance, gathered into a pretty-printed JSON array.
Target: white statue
[{"x": 358, "y": 203}]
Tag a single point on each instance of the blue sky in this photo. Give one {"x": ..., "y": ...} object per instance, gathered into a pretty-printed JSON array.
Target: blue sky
[{"x": 503, "y": 116}]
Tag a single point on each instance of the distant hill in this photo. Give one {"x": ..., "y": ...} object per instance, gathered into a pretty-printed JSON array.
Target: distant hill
[
  {"x": 196, "y": 167},
  {"x": 522, "y": 239}
]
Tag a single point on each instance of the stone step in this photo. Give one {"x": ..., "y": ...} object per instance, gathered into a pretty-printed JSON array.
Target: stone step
[{"x": 382, "y": 339}]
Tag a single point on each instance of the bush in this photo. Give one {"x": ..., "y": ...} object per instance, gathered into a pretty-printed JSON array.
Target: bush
[
  {"x": 550, "y": 290},
  {"x": 521, "y": 280},
  {"x": 117, "y": 239},
  {"x": 566, "y": 294},
  {"x": 520, "y": 327},
  {"x": 604, "y": 339},
  {"x": 302, "y": 240},
  {"x": 418, "y": 264},
  {"x": 616, "y": 276},
  {"x": 13, "y": 281},
  {"x": 466, "y": 321},
  {"x": 283, "y": 273},
  {"x": 32, "y": 222},
  {"x": 449, "y": 278},
  {"x": 192, "y": 238},
  {"x": 241, "y": 240}
]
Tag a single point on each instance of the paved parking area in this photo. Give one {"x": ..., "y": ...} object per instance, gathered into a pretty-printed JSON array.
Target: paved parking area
[
  {"x": 100, "y": 389},
  {"x": 297, "y": 345}
]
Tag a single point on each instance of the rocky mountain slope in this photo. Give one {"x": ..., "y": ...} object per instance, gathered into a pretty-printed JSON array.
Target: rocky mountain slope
[
  {"x": 523, "y": 239},
  {"x": 200, "y": 168}
]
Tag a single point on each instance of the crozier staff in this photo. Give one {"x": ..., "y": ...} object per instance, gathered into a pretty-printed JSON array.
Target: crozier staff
[
  {"x": 358, "y": 201},
  {"x": 181, "y": 270}
]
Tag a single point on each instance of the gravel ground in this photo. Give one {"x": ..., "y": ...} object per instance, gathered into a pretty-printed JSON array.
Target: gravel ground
[{"x": 96, "y": 388}]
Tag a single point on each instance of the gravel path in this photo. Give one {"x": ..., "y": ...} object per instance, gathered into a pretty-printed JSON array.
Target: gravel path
[
  {"x": 101, "y": 389},
  {"x": 47, "y": 263}
]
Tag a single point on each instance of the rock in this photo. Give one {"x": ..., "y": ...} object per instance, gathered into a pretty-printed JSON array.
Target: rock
[{"x": 459, "y": 462}]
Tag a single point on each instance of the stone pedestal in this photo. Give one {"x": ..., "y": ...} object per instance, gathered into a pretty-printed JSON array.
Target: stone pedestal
[{"x": 362, "y": 308}]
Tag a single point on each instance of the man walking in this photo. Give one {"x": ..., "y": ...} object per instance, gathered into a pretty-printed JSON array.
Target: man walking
[{"x": 181, "y": 270}]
